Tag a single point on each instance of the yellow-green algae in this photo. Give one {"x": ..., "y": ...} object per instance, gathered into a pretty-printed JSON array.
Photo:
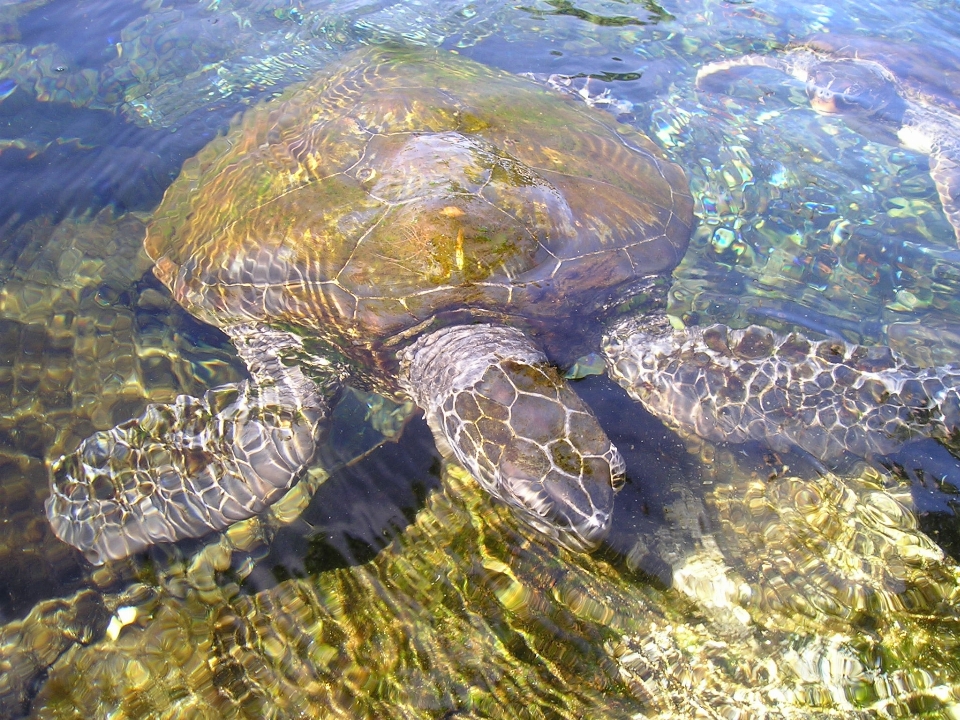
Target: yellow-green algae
[{"x": 465, "y": 614}]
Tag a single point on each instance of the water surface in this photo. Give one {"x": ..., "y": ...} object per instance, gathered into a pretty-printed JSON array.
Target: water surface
[{"x": 736, "y": 582}]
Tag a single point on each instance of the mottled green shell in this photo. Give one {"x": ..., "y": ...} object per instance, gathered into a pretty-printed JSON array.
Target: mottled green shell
[{"x": 409, "y": 183}]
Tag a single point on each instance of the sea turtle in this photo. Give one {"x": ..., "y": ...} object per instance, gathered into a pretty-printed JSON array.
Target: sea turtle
[
  {"x": 408, "y": 221},
  {"x": 888, "y": 92},
  {"x": 411, "y": 222}
]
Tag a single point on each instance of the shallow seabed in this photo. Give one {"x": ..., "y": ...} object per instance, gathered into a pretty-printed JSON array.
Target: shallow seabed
[{"x": 736, "y": 583}]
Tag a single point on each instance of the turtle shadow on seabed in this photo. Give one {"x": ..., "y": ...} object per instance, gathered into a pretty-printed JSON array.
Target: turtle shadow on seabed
[
  {"x": 931, "y": 469},
  {"x": 371, "y": 500}
]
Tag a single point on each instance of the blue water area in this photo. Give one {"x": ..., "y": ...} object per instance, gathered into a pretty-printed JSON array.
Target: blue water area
[
  {"x": 65, "y": 160},
  {"x": 78, "y": 160},
  {"x": 87, "y": 32}
]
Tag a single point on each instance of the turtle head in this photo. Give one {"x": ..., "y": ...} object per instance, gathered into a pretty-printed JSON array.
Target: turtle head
[
  {"x": 853, "y": 88},
  {"x": 494, "y": 402}
]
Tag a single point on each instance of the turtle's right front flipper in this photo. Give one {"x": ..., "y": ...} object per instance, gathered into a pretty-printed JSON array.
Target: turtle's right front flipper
[
  {"x": 493, "y": 400},
  {"x": 193, "y": 466}
]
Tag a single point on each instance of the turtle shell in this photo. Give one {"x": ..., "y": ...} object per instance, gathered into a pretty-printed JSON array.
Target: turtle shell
[{"x": 409, "y": 183}]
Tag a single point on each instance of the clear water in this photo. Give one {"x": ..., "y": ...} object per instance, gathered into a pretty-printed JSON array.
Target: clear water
[{"x": 737, "y": 582}]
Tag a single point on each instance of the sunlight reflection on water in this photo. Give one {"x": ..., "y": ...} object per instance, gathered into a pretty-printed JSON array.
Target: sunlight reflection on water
[{"x": 735, "y": 581}]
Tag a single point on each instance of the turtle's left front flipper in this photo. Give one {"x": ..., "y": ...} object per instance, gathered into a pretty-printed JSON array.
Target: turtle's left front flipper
[
  {"x": 494, "y": 402},
  {"x": 194, "y": 466},
  {"x": 827, "y": 397},
  {"x": 945, "y": 171}
]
